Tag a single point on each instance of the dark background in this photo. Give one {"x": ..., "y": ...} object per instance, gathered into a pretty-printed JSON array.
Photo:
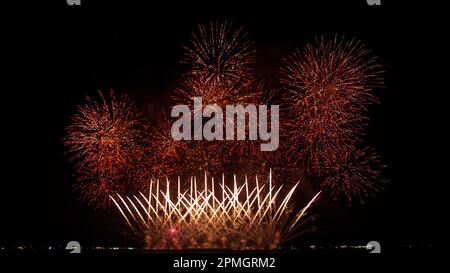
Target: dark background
[{"x": 68, "y": 52}]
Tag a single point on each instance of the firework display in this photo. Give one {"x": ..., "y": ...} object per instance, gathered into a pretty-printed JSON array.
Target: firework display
[
  {"x": 209, "y": 214},
  {"x": 324, "y": 95}
]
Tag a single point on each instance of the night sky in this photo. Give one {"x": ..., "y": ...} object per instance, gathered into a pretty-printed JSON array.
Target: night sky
[{"x": 71, "y": 52}]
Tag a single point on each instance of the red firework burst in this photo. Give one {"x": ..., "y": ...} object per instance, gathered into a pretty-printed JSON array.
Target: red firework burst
[
  {"x": 220, "y": 52},
  {"x": 329, "y": 85},
  {"x": 105, "y": 136},
  {"x": 105, "y": 139}
]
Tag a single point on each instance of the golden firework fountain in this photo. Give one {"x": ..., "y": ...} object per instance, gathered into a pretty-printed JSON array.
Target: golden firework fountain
[{"x": 209, "y": 214}]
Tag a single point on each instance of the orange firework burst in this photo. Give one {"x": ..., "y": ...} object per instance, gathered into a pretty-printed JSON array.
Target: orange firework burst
[
  {"x": 213, "y": 215},
  {"x": 105, "y": 140},
  {"x": 220, "y": 52}
]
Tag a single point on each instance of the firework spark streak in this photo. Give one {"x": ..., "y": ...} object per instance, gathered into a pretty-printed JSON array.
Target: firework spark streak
[{"x": 213, "y": 215}]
